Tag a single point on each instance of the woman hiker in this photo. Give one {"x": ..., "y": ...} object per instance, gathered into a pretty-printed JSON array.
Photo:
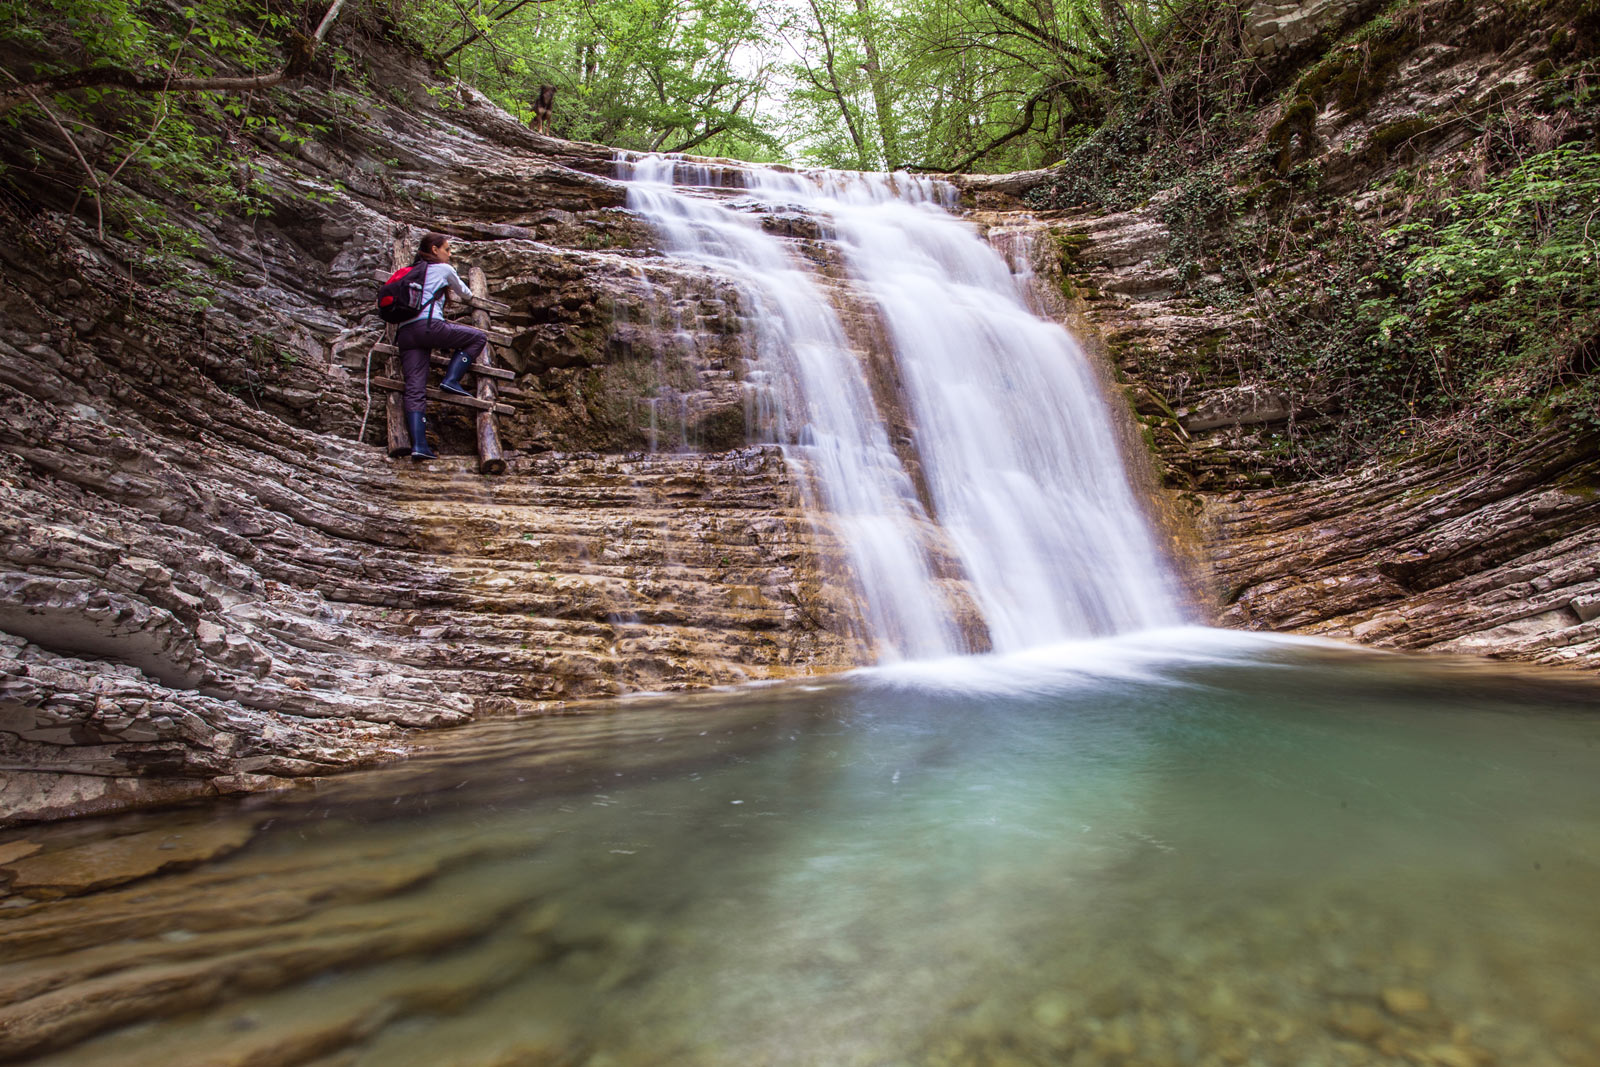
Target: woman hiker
[{"x": 429, "y": 330}]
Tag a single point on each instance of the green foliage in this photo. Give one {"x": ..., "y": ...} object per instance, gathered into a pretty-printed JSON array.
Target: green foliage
[
  {"x": 142, "y": 161},
  {"x": 1500, "y": 289},
  {"x": 1481, "y": 309},
  {"x": 1197, "y": 208},
  {"x": 670, "y": 75}
]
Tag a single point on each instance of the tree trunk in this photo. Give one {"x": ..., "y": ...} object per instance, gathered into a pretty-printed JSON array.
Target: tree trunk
[
  {"x": 882, "y": 99},
  {"x": 838, "y": 92}
]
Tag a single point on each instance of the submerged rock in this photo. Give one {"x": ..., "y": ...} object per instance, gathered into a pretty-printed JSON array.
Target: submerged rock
[
  {"x": 1399, "y": 1000},
  {"x": 101, "y": 864}
]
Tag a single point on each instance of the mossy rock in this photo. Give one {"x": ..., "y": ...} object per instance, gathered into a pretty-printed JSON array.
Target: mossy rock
[
  {"x": 719, "y": 430},
  {"x": 1294, "y": 136},
  {"x": 1356, "y": 76},
  {"x": 1385, "y": 140},
  {"x": 1070, "y": 245}
]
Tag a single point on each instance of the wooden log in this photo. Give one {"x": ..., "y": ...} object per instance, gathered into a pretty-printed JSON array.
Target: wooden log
[
  {"x": 397, "y": 386},
  {"x": 443, "y": 360},
  {"x": 482, "y": 300},
  {"x": 491, "y": 460},
  {"x": 399, "y": 434}
]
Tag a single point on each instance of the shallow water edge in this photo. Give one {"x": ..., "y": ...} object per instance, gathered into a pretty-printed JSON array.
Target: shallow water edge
[{"x": 1184, "y": 847}]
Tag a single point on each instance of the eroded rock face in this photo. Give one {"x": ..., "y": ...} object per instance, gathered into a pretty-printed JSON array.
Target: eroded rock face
[
  {"x": 1500, "y": 561},
  {"x": 1446, "y": 551},
  {"x": 207, "y": 585},
  {"x": 1276, "y": 27}
]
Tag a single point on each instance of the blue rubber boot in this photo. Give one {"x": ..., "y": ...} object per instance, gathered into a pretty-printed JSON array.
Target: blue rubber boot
[
  {"x": 452, "y": 377},
  {"x": 417, "y": 422}
]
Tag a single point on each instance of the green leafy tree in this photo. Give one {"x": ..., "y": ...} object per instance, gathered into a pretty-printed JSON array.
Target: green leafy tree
[{"x": 655, "y": 75}]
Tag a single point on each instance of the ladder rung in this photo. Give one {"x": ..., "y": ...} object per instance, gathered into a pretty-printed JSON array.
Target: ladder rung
[
  {"x": 501, "y": 389},
  {"x": 448, "y": 398},
  {"x": 488, "y": 372},
  {"x": 444, "y": 361}
]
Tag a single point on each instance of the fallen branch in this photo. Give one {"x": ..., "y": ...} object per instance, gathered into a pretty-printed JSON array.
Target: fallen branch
[{"x": 303, "y": 50}]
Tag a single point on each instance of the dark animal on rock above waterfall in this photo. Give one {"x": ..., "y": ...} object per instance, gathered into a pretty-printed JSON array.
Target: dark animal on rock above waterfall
[
  {"x": 543, "y": 108},
  {"x": 429, "y": 330}
]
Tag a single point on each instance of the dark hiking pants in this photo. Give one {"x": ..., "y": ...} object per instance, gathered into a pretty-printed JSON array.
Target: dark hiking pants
[{"x": 417, "y": 339}]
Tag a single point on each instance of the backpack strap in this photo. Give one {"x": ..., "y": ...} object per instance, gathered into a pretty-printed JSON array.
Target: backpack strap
[{"x": 425, "y": 264}]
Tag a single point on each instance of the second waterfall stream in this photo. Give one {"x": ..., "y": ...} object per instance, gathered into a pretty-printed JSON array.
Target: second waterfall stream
[{"x": 957, "y": 443}]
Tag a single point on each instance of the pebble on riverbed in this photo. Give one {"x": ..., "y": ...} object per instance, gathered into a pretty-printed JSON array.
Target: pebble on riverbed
[{"x": 1400, "y": 1001}]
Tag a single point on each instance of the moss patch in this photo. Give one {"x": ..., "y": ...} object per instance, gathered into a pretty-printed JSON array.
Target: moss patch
[
  {"x": 1294, "y": 136},
  {"x": 1402, "y": 136}
]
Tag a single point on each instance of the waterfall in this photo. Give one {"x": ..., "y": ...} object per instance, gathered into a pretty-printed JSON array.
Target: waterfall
[{"x": 1009, "y": 433}]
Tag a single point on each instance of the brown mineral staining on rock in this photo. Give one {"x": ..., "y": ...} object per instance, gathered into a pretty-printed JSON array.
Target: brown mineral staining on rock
[
  {"x": 11, "y": 851},
  {"x": 1402, "y": 1001},
  {"x": 98, "y": 865}
]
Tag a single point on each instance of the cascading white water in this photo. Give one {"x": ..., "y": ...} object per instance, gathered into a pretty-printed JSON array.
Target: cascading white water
[
  {"x": 821, "y": 406},
  {"x": 1014, "y": 438}
]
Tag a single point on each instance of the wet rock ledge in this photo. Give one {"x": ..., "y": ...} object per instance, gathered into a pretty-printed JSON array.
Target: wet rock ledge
[{"x": 209, "y": 585}]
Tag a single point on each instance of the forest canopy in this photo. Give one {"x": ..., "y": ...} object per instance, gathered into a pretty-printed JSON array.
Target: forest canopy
[
  {"x": 861, "y": 84},
  {"x": 858, "y": 84}
]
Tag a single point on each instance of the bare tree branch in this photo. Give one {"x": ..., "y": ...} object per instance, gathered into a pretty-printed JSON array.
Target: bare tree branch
[
  {"x": 303, "y": 49},
  {"x": 1012, "y": 134}
]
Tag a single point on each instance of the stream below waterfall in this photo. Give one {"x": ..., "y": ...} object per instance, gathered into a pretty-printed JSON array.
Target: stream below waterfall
[{"x": 1182, "y": 847}]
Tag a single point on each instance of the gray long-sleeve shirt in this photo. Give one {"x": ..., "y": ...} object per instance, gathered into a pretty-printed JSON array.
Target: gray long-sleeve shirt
[{"x": 437, "y": 277}]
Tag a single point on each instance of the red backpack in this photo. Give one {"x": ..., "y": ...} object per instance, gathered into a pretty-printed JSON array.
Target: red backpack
[{"x": 400, "y": 298}]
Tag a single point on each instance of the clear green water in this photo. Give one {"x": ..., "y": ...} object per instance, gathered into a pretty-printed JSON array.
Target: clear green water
[{"x": 1188, "y": 848}]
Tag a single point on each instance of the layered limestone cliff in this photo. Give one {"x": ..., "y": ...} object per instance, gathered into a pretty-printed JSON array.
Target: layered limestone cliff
[
  {"x": 210, "y": 585},
  {"x": 215, "y": 581},
  {"x": 1450, "y": 548}
]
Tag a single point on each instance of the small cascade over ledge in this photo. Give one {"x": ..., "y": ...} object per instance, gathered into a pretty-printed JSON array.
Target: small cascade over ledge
[{"x": 957, "y": 444}]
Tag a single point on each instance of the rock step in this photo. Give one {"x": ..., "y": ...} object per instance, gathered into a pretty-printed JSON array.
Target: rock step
[{"x": 96, "y": 989}]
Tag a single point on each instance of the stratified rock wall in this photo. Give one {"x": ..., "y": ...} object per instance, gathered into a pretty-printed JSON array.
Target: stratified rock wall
[
  {"x": 1429, "y": 554},
  {"x": 1458, "y": 550},
  {"x": 207, "y": 584}
]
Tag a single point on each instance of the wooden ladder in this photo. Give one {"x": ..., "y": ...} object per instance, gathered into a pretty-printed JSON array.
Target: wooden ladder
[{"x": 489, "y": 378}]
